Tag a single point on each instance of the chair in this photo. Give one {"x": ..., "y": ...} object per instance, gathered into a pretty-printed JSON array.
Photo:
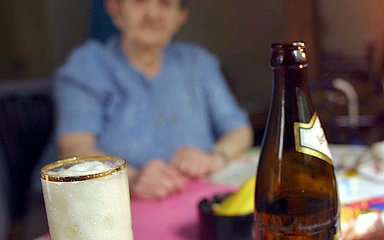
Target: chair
[{"x": 26, "y": 122}]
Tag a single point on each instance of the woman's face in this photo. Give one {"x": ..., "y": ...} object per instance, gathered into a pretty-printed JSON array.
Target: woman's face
[{"x": 150, "y": 23}]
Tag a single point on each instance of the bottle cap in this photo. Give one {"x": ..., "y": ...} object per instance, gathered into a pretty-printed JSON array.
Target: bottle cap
[{"x": 288, "y": 54}]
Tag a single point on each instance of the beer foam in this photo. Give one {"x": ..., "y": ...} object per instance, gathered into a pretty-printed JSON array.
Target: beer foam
[{"x": 83, "y": 168}]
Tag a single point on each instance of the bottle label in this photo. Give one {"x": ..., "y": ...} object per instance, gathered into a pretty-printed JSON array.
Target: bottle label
[{"x": 310, "y": 139}]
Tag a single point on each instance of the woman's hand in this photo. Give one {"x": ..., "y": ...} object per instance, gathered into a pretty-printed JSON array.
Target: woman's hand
[
  {"x": 157, "y": 179},
  {"x": 196, "y": 163}
]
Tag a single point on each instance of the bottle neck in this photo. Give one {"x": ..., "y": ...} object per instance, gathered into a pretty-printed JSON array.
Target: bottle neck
[{"x": 291, "y": 98}]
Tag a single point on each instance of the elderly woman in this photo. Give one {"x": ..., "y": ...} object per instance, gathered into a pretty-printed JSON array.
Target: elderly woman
[{"x": 160, "y": 104}]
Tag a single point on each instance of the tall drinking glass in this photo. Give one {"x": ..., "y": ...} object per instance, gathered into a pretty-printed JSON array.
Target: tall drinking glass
[{"x": 87, "y": 198}]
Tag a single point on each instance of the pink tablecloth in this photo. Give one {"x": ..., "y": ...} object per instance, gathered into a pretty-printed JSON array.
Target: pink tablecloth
[{"x": 173, "y": 218}]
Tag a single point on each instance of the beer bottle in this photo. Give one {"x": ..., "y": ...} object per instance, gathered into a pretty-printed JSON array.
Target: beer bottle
[{"x": 296, "y": 192}]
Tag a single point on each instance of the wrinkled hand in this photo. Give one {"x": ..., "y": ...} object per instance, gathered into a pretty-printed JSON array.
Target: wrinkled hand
[
  {"x": 157, "y": 180},
  {"x": 196, "y": 163}
]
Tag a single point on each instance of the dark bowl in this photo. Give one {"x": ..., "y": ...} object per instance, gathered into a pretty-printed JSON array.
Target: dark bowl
[{"x": 214, "y": 227}]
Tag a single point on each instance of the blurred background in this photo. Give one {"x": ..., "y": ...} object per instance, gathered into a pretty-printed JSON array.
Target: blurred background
[{"x": 345, "y": 43}]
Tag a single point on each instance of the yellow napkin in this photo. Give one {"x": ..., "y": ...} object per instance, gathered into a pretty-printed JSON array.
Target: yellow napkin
[{"x": 238, "y": 203}]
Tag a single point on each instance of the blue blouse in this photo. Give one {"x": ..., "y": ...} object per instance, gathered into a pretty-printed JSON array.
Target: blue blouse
[{"x": 188, "y": 103}]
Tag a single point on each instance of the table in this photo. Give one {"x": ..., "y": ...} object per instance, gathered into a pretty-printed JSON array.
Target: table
[
  {"x": 344, "y": 156},
  {"x": 238, "y": 172}
]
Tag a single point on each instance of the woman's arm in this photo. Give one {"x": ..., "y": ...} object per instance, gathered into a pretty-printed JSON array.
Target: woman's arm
[
  {"x": 234, "y": 143},
  {"x": 77, "y": 144},
  {"x": 155, "y": 180},
  {"x": 196, "y": 163}
]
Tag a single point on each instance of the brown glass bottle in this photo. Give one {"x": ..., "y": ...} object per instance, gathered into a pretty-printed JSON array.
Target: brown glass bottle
[{"x": 296, "y": 191}]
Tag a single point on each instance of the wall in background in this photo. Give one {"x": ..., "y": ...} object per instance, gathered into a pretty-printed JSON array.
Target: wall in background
[
  {"x": 342, "y": 27},
  {"x": 67, "y": 26},
  {"x": 240, "y": 33},
  {"x": 37, "y": 36},
  {"x": 23, "y": 39},
  {"x": 347, "y": 27}
]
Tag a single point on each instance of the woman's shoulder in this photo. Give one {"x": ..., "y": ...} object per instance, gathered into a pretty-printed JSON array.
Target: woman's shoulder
[
  {"x": 89, "y": 58},
  {"x": 89, "y": 52},
  {"x": 90, "y": 64}
]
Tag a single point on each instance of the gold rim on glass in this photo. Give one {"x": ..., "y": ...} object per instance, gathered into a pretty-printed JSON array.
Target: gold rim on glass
[{"x": 74, "y": 160}]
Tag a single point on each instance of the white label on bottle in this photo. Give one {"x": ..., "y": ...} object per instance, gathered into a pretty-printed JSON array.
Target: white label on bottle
[{"x": 311, "y": 140}]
